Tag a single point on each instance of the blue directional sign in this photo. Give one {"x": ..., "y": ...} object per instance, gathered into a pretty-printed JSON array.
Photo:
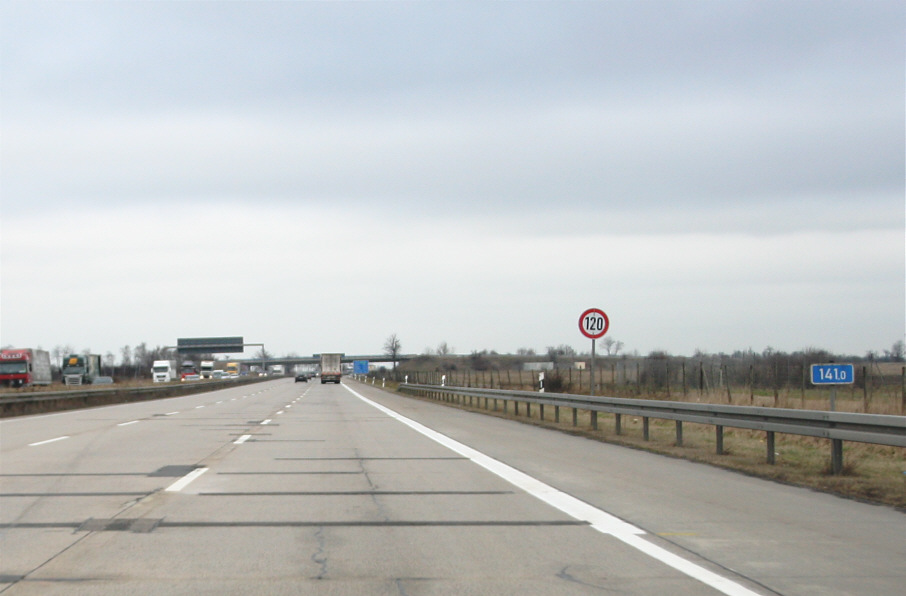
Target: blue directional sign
[
  {"x": 833, "y": 374},
  {"x": 360, "y": 367}
]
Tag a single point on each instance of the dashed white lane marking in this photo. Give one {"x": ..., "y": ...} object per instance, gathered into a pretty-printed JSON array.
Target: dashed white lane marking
[
  {"x": 128, "y": 423},
  {"x": 48, "y": 441},
  {"x": 242, "y": 439},
  {"x": 185, "y": 480},
  {"x": 598, "y": 519}
]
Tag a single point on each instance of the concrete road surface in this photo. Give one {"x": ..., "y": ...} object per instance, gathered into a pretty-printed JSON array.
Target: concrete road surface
[{"x": 303, "y": 488}]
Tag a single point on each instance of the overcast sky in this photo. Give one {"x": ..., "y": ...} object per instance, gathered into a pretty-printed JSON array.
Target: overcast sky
[{"x": 716, "y": 176}]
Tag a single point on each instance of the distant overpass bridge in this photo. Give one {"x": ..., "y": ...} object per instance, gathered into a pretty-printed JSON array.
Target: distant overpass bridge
[{"x": 316, "y": 359}]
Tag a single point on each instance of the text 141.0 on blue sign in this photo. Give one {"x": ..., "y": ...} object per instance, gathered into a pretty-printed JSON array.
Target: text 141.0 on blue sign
[{"x": 832, "y": 374}]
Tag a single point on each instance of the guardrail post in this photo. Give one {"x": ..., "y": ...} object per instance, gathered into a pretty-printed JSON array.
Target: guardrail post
[
  {"x": 594, "y": 419},
  {"x": 575, "y": 416},
  {"x": 837, "y": 456},
  {"x": 515, "y": 407},
  {"x": 618, "y": 425},
  {"x": 645, "y": 435},
  {"x": 770, "y": 442},
  {"x": 679, "y": 433},
  {"x": 528, "y": 409},
  {"x": 557, "y": 414},
  {"x": 719, "y": 431},
  {"x": 541, "y": 411}
]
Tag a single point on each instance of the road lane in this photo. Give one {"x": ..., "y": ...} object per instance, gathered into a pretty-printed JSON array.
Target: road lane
[
  {"x": 334, "y": 496},
  {"x": 791, "y": 540}
]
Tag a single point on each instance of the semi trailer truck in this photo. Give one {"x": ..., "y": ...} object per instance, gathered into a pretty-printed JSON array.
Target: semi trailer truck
[
  {"x": 331, "y": 368},
  {"x": 81, "y": 369},
  {"x": 163, "y": 371},
  {"x": 188, "y": 371},
  {"x": 24, "y": 367},
  {"x": 207, "y": 369}
]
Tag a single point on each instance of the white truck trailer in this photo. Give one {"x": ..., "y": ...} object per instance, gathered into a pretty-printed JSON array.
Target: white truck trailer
[{"x": 331, "y": 368}]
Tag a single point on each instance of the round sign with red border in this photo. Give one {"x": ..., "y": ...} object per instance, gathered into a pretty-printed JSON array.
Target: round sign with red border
[{"x": 594, "y": 323}]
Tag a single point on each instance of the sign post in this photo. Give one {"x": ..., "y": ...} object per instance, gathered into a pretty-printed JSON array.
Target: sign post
[
  {"x": 593, "y": 324},
  {"x": 833, "y": 375}
]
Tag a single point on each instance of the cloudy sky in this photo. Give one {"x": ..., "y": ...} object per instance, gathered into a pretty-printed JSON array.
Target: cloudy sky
[{"x": 317, "y": 176}]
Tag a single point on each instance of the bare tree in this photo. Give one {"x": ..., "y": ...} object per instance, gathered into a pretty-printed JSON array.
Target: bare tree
[
  {"x": 612, "y": 346},
  {"x": 392, "y": 348},
  {"x": 444, "y": 349},
  {"x": 126, "y": 359},
  {"x": 141, "y": 358}
]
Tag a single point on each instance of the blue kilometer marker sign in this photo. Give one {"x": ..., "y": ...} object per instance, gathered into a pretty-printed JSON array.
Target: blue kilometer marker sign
[{"x": 832, "y": 374}]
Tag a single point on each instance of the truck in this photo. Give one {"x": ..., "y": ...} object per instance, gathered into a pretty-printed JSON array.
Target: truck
[
  {"x": 24, "y": 367},
  {"x": 188, "y": 371},
  {"x": 232, "y": 370},
  {"x": 207, "y": 369},
  {"x": 331, "y": 368},
  {"x": 163, "y": 371},
  {"x": 81, "y": 369}
]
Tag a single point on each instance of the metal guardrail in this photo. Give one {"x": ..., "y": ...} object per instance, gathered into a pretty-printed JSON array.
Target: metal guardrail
[
  {"x": 836, "y": 426},
  {"x": 21, "y": 404}
]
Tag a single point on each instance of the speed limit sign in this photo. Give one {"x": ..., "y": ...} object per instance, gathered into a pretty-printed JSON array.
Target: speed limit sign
[{"x": 594, "y": 323}]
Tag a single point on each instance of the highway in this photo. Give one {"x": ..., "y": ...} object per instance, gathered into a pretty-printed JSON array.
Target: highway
[{"x": 303, "y": 488}]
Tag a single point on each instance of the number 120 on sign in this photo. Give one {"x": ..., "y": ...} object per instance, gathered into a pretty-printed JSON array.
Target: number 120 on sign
[{"x": 593, "y": 323}]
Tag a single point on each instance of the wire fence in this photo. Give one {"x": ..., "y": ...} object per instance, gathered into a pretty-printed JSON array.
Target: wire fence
[{"x": 878, "y": 388}]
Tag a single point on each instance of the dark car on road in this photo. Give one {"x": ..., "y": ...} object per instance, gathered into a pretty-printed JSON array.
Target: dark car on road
[{"x": 302, "y": 378}]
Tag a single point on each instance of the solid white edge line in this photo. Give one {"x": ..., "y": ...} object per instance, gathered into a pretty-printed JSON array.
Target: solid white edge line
[
  {"x": 598, "y": 519},
  {"x": 185, "y": 480},
  {"x": 48, "y": 441}
]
